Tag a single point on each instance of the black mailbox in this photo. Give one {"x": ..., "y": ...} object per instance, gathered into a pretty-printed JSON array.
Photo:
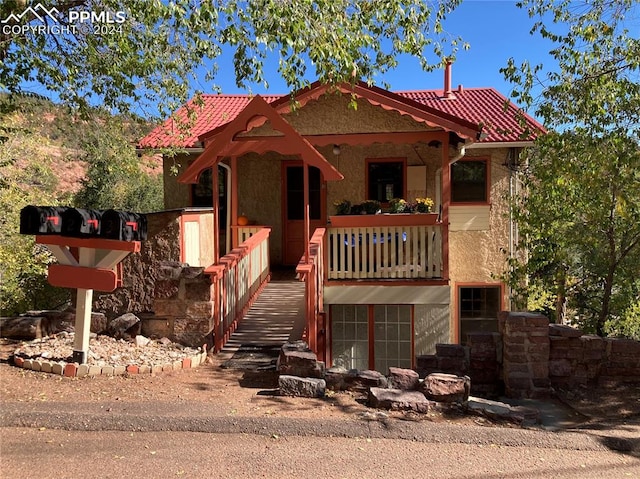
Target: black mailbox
[
  {"x": 41, "y": 220},
  {"x": 123, "y": 226},
  {"x": 78, "y": 222}
]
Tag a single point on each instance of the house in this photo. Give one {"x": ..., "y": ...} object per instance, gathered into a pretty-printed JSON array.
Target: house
[{"x": 380, "y": 289}]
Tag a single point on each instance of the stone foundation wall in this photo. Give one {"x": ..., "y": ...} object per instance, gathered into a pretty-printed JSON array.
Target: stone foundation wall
[
  {"x": 183, "y": 305},
  {"x": 530, "y": 357}
]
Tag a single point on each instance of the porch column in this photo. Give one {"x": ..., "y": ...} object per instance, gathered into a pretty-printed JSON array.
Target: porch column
[
  {"x": 216, "y": 213},
  {"x": 446, "y": 200},
  {"x": 234, "y": 202},
  {"x": 305, "y": 176}
]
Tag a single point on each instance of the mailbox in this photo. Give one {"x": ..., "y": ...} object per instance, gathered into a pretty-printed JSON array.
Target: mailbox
[
  {"x": 123, "y": 226},
  {"x": 78, "y": 222},
  {"x": 41, "y": 220}
]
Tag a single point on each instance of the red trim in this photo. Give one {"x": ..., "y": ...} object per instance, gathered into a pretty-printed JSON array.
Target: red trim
[
  {"x": 446, "y": 201},
  {"x": 79, "y": 277},
  {"x": 368, "y": 161},
  {"x": 401, "y": 219},
  {"x": 94, "y": 243},
  {"x": 456, "y": 298}
]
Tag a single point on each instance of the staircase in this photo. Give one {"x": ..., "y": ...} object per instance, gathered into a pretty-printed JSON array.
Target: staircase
[{"x": 277, "y": 316}]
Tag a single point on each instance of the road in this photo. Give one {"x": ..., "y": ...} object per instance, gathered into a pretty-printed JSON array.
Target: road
[{"x": 58, "y": 454}]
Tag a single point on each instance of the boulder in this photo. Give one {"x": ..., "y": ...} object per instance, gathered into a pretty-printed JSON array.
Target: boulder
[
  {"x": 363, "y": 380},
  {"x": 301, "y": 387},
  {"x": 446, "y": 388},
  {"x": 126, "y": 326},
  {"x": 405, "y": 379},
  {"x": 335, "y": 378},
  {"x": 296, "y": 359},
  {"x": 398, "y": 400},
  {"x": 498, "y": 410}
]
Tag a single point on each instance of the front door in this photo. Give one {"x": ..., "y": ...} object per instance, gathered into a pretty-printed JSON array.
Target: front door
[{"x": 293, "y": 208}]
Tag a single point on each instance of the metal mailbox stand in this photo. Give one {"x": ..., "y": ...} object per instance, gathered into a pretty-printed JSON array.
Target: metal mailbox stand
[{"x": 93, "y": 268}]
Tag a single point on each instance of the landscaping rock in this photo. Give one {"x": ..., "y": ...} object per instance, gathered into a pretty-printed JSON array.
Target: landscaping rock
[
  {"x": 405, "y": 379},
  {"x": 126, "y": 326},
  {"x": 499, "y": 410},
  {"x": 302, "y": 387},
  {"x": 446, "y": 388},
  {"x": 296, "y": 359},
  {"x": 398, "y": 400},
  {"x": 363, "y": 380},
  {"x": 335, "y": 378}
]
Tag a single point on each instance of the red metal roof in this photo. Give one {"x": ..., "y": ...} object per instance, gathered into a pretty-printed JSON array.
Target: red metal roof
[{"x": 484, "y": 106}]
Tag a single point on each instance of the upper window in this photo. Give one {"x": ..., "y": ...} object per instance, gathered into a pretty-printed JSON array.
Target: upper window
[
  {"x": 385, "y": 179},
  {"x": 469, "y": 180}
]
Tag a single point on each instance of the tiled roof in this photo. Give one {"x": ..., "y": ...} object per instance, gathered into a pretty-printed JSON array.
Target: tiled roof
[{"x": 485, "y": 106}]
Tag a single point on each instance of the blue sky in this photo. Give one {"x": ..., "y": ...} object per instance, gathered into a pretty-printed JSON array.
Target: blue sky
[{"x": 496, "y": 30}]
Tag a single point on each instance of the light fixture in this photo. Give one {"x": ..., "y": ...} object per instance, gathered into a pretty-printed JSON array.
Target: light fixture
[{"x": 336, "y": 150}]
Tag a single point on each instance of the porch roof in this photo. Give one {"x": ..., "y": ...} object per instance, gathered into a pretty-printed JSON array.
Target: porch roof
[
  {"x": 227, "y": 142},
  {"x": 461, "y": 114}
]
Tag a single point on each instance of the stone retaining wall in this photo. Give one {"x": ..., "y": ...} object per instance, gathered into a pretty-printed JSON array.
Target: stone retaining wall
[{"x": 529, "y": 357}]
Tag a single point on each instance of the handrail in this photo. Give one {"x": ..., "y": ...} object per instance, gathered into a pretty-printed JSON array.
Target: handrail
[
  {"x": 238, "y": 278},
  {"x": 312, "y": 271}
]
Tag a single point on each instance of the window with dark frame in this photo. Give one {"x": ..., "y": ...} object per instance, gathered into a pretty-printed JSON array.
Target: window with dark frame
[
  {"x": 385, "y": 180},
  {"x": 469, "y": 181},
  {"x": 478, "y": 308}
]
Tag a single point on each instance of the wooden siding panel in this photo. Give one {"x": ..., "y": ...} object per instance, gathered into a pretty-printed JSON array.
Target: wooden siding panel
[{"x": 469, "y": 218}]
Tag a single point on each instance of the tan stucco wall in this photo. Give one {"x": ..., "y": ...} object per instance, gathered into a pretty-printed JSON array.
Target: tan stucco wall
[
  {"x": 260, "y": 195},
  {"x": 176, "y": 195},
  {"x": 479, "y": 256}
]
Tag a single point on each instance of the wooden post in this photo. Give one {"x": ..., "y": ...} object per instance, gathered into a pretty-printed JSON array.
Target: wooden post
[
  {"x": 305, "y": 169},
  {"x": 216, "y": 213},
  {"x": 234, "y": 202},
  {"x": 446, "y": 201},
  {"x": 84, "y": 300}
]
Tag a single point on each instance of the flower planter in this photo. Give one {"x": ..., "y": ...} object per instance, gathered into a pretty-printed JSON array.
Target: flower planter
[{"x": 396, "y": 219}]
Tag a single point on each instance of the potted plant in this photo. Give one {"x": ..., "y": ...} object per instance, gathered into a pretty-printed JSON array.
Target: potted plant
[{"x": 423, "y": 205}]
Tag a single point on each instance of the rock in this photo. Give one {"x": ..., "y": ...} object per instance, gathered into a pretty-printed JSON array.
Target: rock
[
  {"x": 335, "y": 378},
  {"x": 98, "y": 323},
  {"x": 296, "y": 359},
  {"x": 141, "y": 341},
  {"x": 499, "y": 410},
  {"x": 366, "y": 379},
  {"x": 301, "y": 387},
  {"x": 448, "y": 388},
  {"x": 126, "y": 326},
  {"x": 564, "y": 330},
  {"x": 405, "y": 379},
  {"x": 398, "y": 400}
]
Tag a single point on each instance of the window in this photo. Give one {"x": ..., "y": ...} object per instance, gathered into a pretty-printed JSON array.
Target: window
[
  {"x": 371, "y": 336},
  {"x": 469, "y": 181},
  {"x": 478, "y": 308},
  {"x": 386, "y": 179},
  {"x": 202, "y": 193}
]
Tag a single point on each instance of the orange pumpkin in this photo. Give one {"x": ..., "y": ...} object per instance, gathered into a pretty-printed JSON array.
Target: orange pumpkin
[{"x": 243, "y": 220}]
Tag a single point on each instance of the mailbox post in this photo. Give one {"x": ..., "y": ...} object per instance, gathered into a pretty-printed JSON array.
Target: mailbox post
[{"x": 87, "y": 261}]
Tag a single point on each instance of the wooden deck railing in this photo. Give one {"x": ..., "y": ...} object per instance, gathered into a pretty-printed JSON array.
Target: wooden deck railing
[
  {"x": 312, "y": 272},
  {"x": 238, "y": 278},
  {"x": 385, "y": 252}
]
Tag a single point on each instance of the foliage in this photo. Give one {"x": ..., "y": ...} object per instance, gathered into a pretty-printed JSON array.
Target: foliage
[
  {"x": 115, "y": 178},
  {"x": 398, "y": 205},
  {"x": 628, "y": 326},
  {"x": 580, "y": 219},
  {"x": 423, "y": 205},
  {"x": 343, "y": 207},
  {"x": 23, "y": 282},
  {"x": 40, "y": 141},
  {"x": 160, "y": 47}
]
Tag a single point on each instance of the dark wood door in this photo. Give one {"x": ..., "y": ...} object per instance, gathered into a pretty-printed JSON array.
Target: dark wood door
[{"x": 293, "y": 208}]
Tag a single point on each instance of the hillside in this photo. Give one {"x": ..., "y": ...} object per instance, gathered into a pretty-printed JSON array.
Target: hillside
[
  {"x": 51, "y": 141},
  {"x": 51, "y": 156}
]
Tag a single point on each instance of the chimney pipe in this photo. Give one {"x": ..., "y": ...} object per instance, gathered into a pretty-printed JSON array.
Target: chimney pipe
[{"x": 447, "y": 93}]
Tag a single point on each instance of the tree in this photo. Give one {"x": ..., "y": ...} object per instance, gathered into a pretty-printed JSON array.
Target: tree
[
  {"x": 580, "y": 219},
  {"x": 154, "y": 49},
  {"x": 116, "y": 178}
]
